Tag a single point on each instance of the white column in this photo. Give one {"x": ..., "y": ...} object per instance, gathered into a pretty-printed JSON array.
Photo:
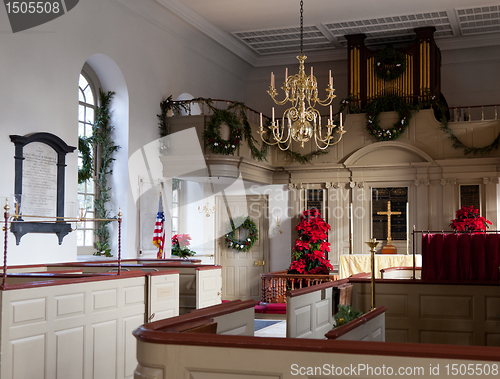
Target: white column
[{"x": 491, "y": 190}]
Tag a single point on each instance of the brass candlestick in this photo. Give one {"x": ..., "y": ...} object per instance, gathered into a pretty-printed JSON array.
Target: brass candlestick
[{"x": 373, "y": 244}]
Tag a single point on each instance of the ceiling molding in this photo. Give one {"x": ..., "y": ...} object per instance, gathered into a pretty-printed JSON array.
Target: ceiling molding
[
  {"x": 210, "y": 30},
  {"x": 312, "y": 57},
  {"x": 466, "y": 42}
]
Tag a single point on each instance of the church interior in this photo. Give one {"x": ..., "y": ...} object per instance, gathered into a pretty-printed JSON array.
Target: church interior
[{"x": 161, "y": 156}]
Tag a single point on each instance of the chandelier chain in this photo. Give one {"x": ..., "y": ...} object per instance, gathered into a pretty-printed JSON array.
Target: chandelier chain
[
  {"x": 301, "y": 27},
  {"x": 302, "y": 121}
]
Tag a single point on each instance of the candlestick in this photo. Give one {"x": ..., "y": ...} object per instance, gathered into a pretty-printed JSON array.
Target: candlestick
[
  {"x": 330, "y": 77},
  {"x": 261, "y": 120},
  {"x": 331, "y": 112},
  {"x": 286, "y": 74},
  {"x": 311, "y": 73},
  {"x": 273, "y": 115},
  {"x": 272, "y": 79}
]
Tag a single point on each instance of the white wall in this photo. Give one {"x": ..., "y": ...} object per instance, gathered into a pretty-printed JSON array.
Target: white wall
[{"x": 39, "y": 71}]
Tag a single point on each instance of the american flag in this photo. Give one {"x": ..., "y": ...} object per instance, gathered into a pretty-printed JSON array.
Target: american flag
[{"x": 159, "y": 233}]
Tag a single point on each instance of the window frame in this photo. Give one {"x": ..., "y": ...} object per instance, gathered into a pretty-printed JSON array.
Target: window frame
[{"x": 89, "y": 227}]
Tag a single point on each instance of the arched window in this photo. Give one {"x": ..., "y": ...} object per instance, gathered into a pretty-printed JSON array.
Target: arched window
[{"x": 88, "y": 89}]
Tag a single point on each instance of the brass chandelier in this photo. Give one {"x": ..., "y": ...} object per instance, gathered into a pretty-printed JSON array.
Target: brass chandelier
[{"x": 301, "y": 122}]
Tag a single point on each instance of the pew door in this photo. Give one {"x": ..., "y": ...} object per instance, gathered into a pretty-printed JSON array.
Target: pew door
[
  {"x": 241, "y": 270},
  {"x": 163, "y": 296}
]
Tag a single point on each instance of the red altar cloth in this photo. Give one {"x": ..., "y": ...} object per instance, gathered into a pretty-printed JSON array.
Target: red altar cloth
[{"x": 460, "y": 256}]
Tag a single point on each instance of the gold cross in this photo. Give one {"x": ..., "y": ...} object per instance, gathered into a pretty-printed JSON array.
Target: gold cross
[{"x": 389, "y": 214}]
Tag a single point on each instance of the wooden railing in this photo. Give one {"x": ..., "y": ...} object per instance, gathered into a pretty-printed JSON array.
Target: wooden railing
[
  {"x": 275, "y": 284},
  {"x": 474, "y": 113}
]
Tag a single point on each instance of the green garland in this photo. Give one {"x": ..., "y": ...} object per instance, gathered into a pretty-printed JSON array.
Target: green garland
[
  {"x": 405, "y": 111},
  {"x": 85, "y": 153},
  {"x": 212, "y": 137},
  {"x": 101, "y": 137},
  {"x": 390, "y": 64},
  {"x": 246, "y": 244},
  {"x": 261, "y": 155},
  {"x": 384, "y": 104},
  {"x": 457, "y": 144}
]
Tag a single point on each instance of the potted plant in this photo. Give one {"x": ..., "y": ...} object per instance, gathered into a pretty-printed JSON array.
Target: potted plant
[
  {"x": 468, "y": 220},
  {"x": 180, "y": 243},
  {"x": 309, "y": 251}
]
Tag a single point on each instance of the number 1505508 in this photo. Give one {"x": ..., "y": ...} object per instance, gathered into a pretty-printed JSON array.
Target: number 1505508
[{"x": 40, "y": 7}]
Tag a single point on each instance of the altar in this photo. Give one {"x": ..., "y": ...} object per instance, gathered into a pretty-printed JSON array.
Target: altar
[{"x": 356, "y": 263}]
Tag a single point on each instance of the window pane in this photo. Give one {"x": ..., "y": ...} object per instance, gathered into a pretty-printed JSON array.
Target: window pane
[
  {"x": 88, "y": 130},
  {"x": 81, "y": 96},
  {"x": 81, "y": 113},
  {"x": 90, "y": 115},
  {"x": 175, "y": 211},
  {"x": 82, "y": 83},
  {"x": 81, "y": 186},
  {"x": 79, "y": 167},
  {"x": 175, "y": 224},
  {"x": 89, "y": 202},
  {"x": 79, "y": 237},
  {"x": 175, "y": 196},
  {"x": 81, "y": 129},
  {"x": 90, "y": 186},
  {"x": 89, "y": 238},
  {"x": 88, "y": 95}
]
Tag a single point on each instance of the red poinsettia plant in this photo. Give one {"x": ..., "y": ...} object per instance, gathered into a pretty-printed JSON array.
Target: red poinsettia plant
[
  {"x": 468, "y": 220},
  {"x": 310, "y": 248},
  {"x": 180, "y": 243}
]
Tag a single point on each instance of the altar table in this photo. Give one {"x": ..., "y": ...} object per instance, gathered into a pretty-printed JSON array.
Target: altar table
[{"x": 355, "y": 263}]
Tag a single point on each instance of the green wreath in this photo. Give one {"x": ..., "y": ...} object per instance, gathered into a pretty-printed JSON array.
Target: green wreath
[
  {"x": 389, "y": 64},
  {"x": 248, "y": 242},
  {"x": 384, "y": 104},
  {"x": 85, "y": 150},
  {"x": 212, "y": 137}
]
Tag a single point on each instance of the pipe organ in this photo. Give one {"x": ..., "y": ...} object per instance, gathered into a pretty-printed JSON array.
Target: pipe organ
[{"x": 421, "y": 77}]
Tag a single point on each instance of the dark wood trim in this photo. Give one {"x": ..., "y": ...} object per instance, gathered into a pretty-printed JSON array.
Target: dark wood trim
[
  {"x": 154, "y": 333},
  {"x": 353, "y": 279},
  {"x": 316, "y": 287},
  {"x": 205, "y": 268},
  {"x": 63, "y": 279},
  {"x": 363, "y": 319},
  {"x": 401, "y": 268}
]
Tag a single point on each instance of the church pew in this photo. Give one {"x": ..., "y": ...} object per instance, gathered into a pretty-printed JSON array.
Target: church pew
[
  {"x": 310, "y": 310},
  {"x": 77, "y": 325},
  {"x": 368, "y": 327},
  {"x": 405, "y": 272},
  {"x": 419, "y": 311},
  {"x": 164, "y": 352},
  {"x": 199, "y": 285}
]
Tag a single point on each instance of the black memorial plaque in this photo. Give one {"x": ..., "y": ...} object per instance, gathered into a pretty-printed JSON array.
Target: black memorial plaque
[
  {"x": 469, "y": 195},
  {"x": 398, "y": 196}
]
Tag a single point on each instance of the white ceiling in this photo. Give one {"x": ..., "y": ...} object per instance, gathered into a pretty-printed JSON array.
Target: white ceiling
[{"x": 267, "y": 31}]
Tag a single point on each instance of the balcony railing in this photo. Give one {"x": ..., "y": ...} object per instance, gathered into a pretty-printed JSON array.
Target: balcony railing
[{"x": 275, "y": 284}]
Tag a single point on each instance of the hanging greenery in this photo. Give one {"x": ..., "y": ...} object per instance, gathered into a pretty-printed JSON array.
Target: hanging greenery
[
  {"x": 457, "y": 144},
  {"x": 85, "y": 153},
  {"x": 248, "y": 242},
  {"x": 390, "y": 64},
  {"x": 384, "y": 104},
  {"x": 261, "y": 155},
  {"x": 212, "y": 136},
  {"x": 101, "y": 138}
]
